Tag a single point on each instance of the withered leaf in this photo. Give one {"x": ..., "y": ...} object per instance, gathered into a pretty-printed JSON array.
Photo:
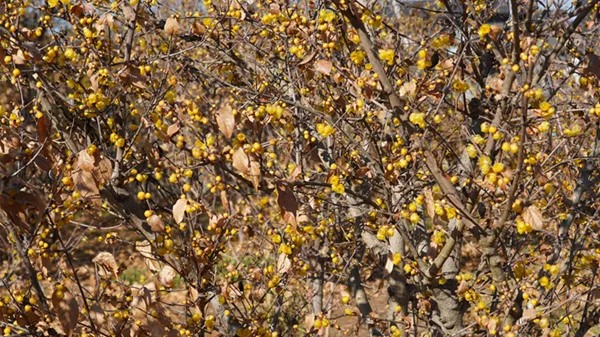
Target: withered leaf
[
  {"x": 241, "y": 162},
  {"x": 533, "y": 216},
  {"x": 226, "y": 120},
  {"x": 66, "y": 309},
  {"x": 287, "y": 203},
  {"x": 171, "y": 26},
  {"x": 323, "y": 66},
  {"x": 179, "y": 210},
  {"x": 108, "y": 264}
]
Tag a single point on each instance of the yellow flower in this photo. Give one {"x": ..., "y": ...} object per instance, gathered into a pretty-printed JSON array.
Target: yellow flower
[
  {"x": 52, "y": 3},
  {"x": 326, "y": 15},
  {"x": 357, "y": 57},
  {"x": 387, "y": 55},
  {"x": 484, "y": 30}
]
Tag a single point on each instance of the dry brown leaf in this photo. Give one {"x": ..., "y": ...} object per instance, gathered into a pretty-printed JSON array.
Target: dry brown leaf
[
  {"x": 66, "y": 309},
  {"x": 171, "y": 26},
  {"x": 102, "y": 168},
  {"x": 156, "y": 223},
  {"x": 408, "y": 88},
  {"x": 309, "y": 321},
  {"x": 592, "y": 65},
  {"x": 108, "y": 264},
  {"x": 172, "y": 130},
  {"x": 533, "y": 216},
  {"x": 86, "y": 184},
  {"x": 255, "y": 173},
  {"x": 462, "y": 287},
  {"x": 85, "y": 161},
  {"x": 128, "y": 11},
  {"x": 495, "y": 32},
  {"x": 241, "y": 162},
  {"x": 144, "y": 248},
  {"x": 284, "y": 264},
  {"x": 179, "y": 210},
  {"x": 323, "y": 66},
  {"x": 287, "y": 203},
  {"x": 18, "y": 57},
  {"x": 43, "y": 128},
  {"x": 106, "y": 20},
  {"x": 224, "y": 200},
  {"x": 307, "y": 58},
  {"x": 429, "y": 202},
  {"x": 97, "y": 315},
  {"x": 167, "y": 276},
  {"x": 226, "y": 120}
]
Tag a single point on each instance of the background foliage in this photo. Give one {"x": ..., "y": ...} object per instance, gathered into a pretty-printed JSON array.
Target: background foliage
[{"x": 277, "y": 168}]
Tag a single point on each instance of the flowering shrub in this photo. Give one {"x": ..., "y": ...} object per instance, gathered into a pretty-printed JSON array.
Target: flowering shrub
[{"x": 275, "y": 168}]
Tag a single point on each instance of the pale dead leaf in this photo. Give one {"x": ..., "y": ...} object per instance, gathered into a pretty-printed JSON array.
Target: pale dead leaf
[
  {"x": 106, "y": 20},
  {"x": 323, "y": 66},
  {"x": 284, "y": 264},
  {"x": 592, "y": 65},
  {"x": 495, "y": 32},
  {"x": 179, "y": 210},
  {"x": 128, "y": 11},
  {"x": 156, "y": 223},
  {"x": 167, "y": 276},
  {"x": 97, "y": 315},
  {"x": 108, "y": 264},
  {"x": 307, "y": 58},
  {"x": 86, "y": 184},
  {"x": 66, "y": 309},
  {"x": 533, "y": 216},
  {"x": 462, "y": 287},
  {"x": 85, "y": 161},
  {"x": 226, "y": 120},
  {"x": 172, "y": 130},
  {"x": 429, "y": 202},
  {"x": 389, "y": 265},
  {"x": 224, "y": 200},
  {"x": 254, "y": 173},
  {"x": 171, "y": 26},
  {"x": 102, "y": 168},
  {"x": 145, "y": 249},
  {"x": 408, "y": 88},
  {"x": 241, "y": 162},
  {"x": 287, "y": 203}
]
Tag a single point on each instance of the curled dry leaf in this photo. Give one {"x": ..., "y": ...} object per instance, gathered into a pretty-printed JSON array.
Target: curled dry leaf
[
  {"x": 87, "y": 186},
  {"x": 85, "y": 161},
  {"x": 156, "y": 223},
  {"x": 179, "y": 210},
  {"x": 323, "y": 66},
  {"x": 97, "y": 314},
  {"x": 533, "y": 216},
  {"x": 107, "y": 263},
  {"x": 287, "y": 203},
  {"x": 171, "y": 26},
  {"x": 106, "y": 20},
  {"x": 102, "y": 168},
  {"x": 429, "y": 202},
  {"x": 495, "y": 32},
  {"x": 43, "y": 128},
  {"x": 255, "y": 173},
  {"x": 172, "y": 130},
  {"x": 241, "y": 162},
  {"x": 167, "y": 276},
  {"x": 144, "y": 248},
  {"x": 226, "y": 120},
  {"x": 66, "y": 309},
  {"x": 408, "y": 88},
  {"x": 283, "y": 264}
]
